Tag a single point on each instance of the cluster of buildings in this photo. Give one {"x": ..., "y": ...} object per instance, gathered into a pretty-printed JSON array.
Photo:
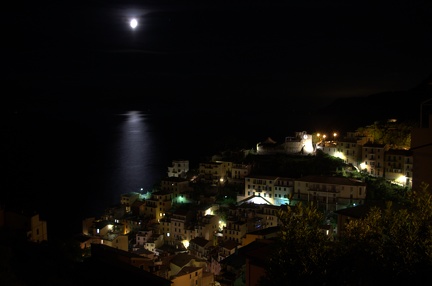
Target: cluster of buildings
[
  {"x": 183, "y": 235},
  {"x": 378, "y": 160}
]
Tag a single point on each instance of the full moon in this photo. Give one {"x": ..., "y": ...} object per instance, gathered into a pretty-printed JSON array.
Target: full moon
[{"x": 133, "y": 23}]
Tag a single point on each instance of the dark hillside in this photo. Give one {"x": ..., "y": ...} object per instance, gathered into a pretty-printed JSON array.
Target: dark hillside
[{"x": 353, "y": 112}]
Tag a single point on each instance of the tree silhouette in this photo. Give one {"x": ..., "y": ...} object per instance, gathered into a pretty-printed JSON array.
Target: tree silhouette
[
  {"x": 391, "y": 245},
  {"x": 303, "y": 251}
]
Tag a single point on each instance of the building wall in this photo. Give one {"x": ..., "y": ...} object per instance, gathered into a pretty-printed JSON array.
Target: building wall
[
  {"x": 421, "y": 145},
  {"x": 129, "y": 198},
  {"x": 349, "y": 151},
  {"x": 261, "y": 186},
  {"x": 329, "y": 196},
  {"x": 38, "y": 231},
  {"x": 373, "y": 159},
  {"x": 119, "y": 242},
  {"x": 165, "y": 229},
  {"x": 235, "y": 231},
  {"x": 158, "y": 204},
  {"x": 240, "y": 171},
  {"x": 29, "y": 225},
  {"x": 212, "y": 172},
  {"x": 193, "y": 278},
  {"x": 253, "y": 273},
  {"x": 209, "y": 225},
  {"x": 398, "y": 169},
  {"x": 179, "y": 168}
]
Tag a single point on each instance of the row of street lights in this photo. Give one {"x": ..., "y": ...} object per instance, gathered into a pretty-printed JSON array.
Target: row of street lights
[{"x": 324, "y": 136}]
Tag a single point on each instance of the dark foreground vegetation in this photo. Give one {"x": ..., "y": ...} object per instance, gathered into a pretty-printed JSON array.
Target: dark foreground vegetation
[{"x": 390, "y": 246}]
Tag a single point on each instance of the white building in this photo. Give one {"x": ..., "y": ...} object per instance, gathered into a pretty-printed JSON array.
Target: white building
[{"x": 179, "y": 168}]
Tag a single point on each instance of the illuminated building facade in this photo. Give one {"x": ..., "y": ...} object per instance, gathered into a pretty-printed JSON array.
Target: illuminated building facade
[
  {"x": 240, "y": 171},
  {"x": 349, "y": 148},
  {"x": 373, "y": 158},
  {"x": 128, "y": 199},
  {"x": 274, "y": 190},
  {"x": 213, "y": 172},
  {"x": 329, "y": 193},
  {"x": 157, "y": 204},
  {"x": 178, "y": 187},
  {"x": 300, "y": 143},
  {"x": 235, "y": 229},
  {"x": 179, "y": 168},
  {"x": 399, "y": 167}
]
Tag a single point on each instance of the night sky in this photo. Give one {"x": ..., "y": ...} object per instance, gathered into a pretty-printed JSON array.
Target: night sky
[{"x": 237, "y": 49}]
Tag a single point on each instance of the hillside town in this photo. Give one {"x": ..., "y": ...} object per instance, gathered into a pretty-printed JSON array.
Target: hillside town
[{"x": 192, "y": 230}]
